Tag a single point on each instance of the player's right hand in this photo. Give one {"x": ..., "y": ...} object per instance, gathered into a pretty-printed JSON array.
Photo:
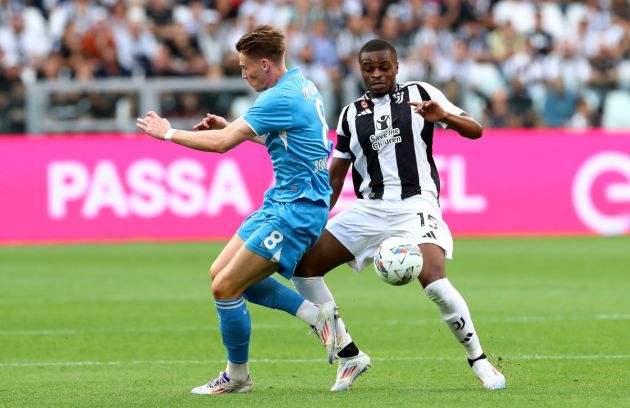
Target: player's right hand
[
  {"x": 211, "y": 122},
  {"x": 429, "y": 110},
  {"x": 154, "y": 125}
]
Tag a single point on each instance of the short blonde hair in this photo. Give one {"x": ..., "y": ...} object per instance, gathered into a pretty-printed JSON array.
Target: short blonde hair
[{"x": 264, "y": 41}]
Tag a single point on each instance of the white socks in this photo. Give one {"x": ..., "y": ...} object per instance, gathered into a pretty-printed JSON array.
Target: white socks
[
  {"x": 450, "y": 302},
  {"x": 307, "y": 312},
  {"x": 455, "y": 314},
  {"x": 237, "y": 372},
  {"x": 315, "y": 290}
]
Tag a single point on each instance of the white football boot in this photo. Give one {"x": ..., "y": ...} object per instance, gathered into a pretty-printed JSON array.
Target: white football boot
[
  {"x": 489, "y": 376},
  {"x": 350, "y": 368},
  {"x": 326, "y": 328},
  {"x": 223, "y": 385}
]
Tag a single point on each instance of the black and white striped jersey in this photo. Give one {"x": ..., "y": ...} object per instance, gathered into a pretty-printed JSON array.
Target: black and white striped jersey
[{"x": 391, "y": 147}]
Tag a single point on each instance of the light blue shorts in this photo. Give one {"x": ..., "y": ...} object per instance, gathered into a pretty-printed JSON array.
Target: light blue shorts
[{"x": 282, "y": 232}]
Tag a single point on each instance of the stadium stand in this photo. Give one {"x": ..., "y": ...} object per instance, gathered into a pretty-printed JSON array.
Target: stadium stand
[{"x": 478, "y": 50}]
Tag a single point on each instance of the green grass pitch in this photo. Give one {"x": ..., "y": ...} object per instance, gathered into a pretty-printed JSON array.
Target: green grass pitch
[{"x": 131, "y": 325}]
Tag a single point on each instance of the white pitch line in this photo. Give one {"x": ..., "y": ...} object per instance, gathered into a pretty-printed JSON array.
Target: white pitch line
[
  {"x": 295, "y": 361},
  {"x": 294, "y": 325},
  {"x": 521, "y": 319},
  {"x": 162, "y": 329}
]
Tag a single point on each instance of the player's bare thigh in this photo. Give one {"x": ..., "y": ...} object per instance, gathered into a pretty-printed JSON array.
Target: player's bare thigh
[
  {"x": 434, "y": 264},
  {"x": 227, "y": 253},
  {"x": 327, "y": 254},
  {"x": 242, "y": 271}
]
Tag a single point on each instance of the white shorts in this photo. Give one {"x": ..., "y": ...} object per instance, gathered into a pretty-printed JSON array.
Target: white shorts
[{"x": 362, "y": 227}]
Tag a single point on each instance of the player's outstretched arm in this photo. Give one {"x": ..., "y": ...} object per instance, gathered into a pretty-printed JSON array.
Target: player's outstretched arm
[
  {"x": 463, "y": 124},
  {"x": 217, "y": 140},
  {"x": 337, "y": 172}
]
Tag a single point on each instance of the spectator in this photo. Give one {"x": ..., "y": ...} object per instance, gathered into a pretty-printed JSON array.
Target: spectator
[
  {"x": 374, "y": 10},
  {"x": 164, "y": 64},
  {"x": 82, "y": 13},
  {"x": 431, "y": 34},
  {"x": 9, "y": 8},
  {"x": 304, "y": 13},
  {"x": 458, "y": 66},
  {"x": 324, "y": 51},
  {"x": 564, "y": 62},
  {"x": 351, "y": 39},
  {"x": 12, "y": 115},
  {"x": 475, "y": 35},
  {"x": 136, "y": 46},
  {"x": 193, "y": 17},
  {"x": 67, "y": 49},
  {"x": 504, "y": 42},
  {"x": 98, "y": 45},
  {"x": 559, "y": 104},
  {"x": 390, "y": 31},
  {"x": 25, "y": 46},
  {"x": 540, "y": 40},
  {"x": 335, "y": 15},
  {"x": 521, "y": 105},
  {"x": 210, "y": 40},
  {"x": 460, "y": 12},
  {"x": 185, "y": 51},
  {"x": 583, "y": 117},
  {"x": 497, "y": 112}
]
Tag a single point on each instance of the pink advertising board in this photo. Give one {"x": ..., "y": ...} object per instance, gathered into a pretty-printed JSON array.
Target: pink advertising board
[{"x": 118, "y": 188}]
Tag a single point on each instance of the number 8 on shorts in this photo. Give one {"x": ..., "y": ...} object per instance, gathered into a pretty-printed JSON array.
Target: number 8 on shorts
[{"x": 272, "y": 240}]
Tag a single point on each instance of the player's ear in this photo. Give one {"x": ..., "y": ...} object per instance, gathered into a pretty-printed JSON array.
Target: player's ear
[{"x": 265, "y": 64}]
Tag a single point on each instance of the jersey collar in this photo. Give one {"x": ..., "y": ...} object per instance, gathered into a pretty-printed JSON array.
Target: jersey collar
[
  {"x": 368, "y": 97},
  {"x": 289, "y": 74}
]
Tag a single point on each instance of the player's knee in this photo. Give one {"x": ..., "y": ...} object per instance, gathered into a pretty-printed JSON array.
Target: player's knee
[
  {"x": 219, "y": 289},
  {"x": 222, "y": 289}
]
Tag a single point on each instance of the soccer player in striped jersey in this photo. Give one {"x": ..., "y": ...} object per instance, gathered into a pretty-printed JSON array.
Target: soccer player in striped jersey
[
  {"x": 386, "y": 135},
  {"x": 288, "y": 118}
]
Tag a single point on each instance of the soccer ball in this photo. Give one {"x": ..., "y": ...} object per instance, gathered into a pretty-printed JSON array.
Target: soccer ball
[{"x": 398, "y": 261}]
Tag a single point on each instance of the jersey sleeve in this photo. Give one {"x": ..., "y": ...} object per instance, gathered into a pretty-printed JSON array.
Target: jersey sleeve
[
  {"x": 342, "y": 150},
  {"x": 439, "y": 97},
  {"x": 272, "y": 111}
]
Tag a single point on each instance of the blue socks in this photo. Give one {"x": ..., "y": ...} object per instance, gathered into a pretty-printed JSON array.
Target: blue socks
[
  {"x": 236, "y": 328},
  {"x": 234, "y": 320},
  {"x": 274, "y": 295}
]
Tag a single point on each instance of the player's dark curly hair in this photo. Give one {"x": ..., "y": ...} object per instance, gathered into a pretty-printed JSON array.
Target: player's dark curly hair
[
  {"x": 378, "y": 45},
  {"x": 264, "y": 41}
]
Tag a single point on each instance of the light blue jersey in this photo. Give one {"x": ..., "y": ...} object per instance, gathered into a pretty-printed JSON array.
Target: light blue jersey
[
  {"x": 295, "y": 209},
  {"x": 291, "y": 116}
]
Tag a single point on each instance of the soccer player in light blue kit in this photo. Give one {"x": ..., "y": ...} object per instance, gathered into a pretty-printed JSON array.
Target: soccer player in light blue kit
[{"x": 288, "y": 117}]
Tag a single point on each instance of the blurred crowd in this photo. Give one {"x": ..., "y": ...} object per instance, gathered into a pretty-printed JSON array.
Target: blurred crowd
[{"x": 510, "y": 63}]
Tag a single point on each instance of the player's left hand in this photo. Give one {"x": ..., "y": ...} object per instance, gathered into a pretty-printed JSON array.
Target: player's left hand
[
  {"x": 154, "y": 125},
  {"x": 211, "y": 122},
  {"x": 429, "y": 110}
]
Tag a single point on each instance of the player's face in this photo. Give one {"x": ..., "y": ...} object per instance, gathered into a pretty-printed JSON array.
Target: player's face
[
  {"x": 253, "y": 71},
  {"x": 379, "y": 69}
]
